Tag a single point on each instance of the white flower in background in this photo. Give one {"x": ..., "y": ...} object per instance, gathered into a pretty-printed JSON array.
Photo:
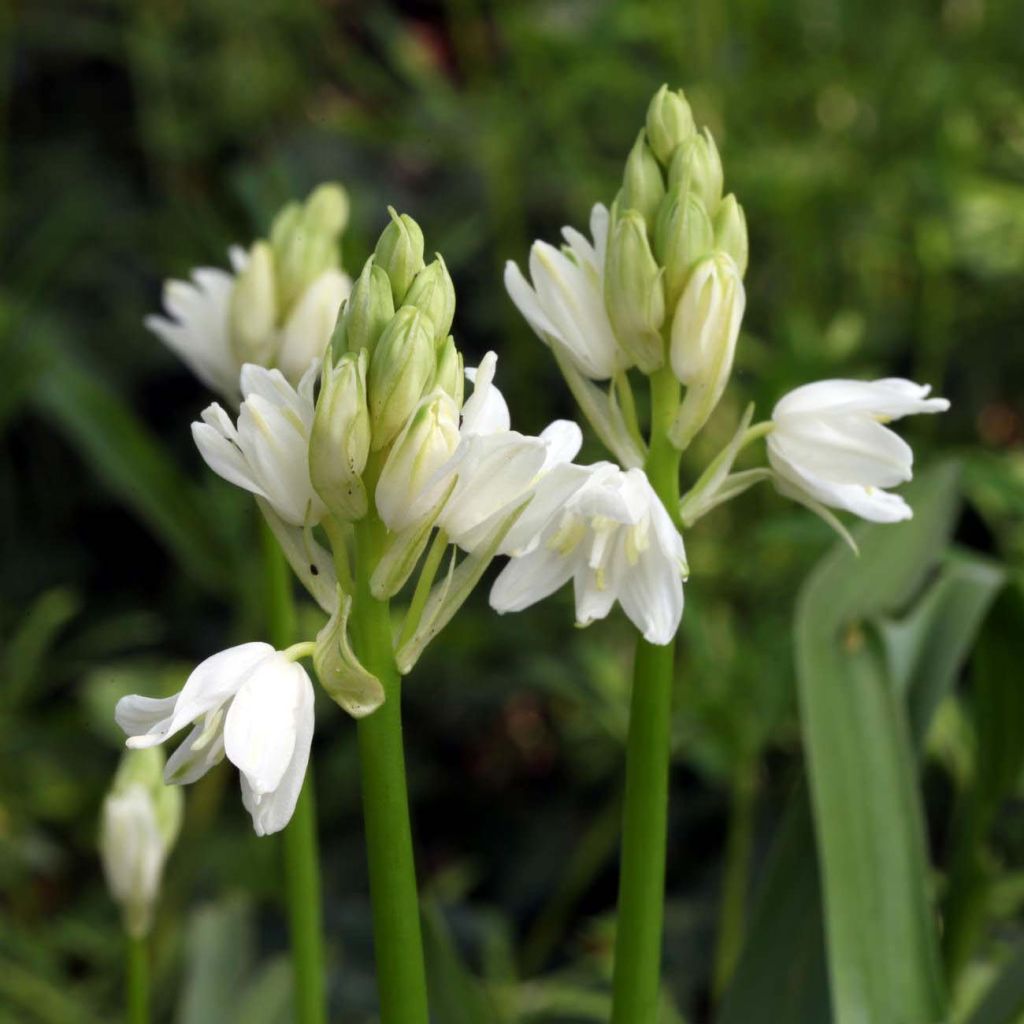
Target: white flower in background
[
  {"x": 565, "y": 305},
  {"x": 607, "y": 531},
  {"x": 196, "y": 328},
  {"x": 494, "y": 467},
  {"x": 249, "y": 702},
  {"x": 139, "y": 823},
  {"x": 268, "y": 452},
  {"x": 829, "y": 447}
]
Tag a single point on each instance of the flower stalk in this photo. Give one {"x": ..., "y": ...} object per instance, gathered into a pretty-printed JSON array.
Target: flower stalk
[{"x": 137, "y": 979}]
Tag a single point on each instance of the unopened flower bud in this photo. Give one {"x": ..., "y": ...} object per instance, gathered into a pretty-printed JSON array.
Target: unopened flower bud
[
  {"x": 731, "y": 232},
  {"x": 643, "y": 186},
  {"x": 327, "y": 209},
  {"x": 697, "y": 167},
  {"x": 401, "y": 367},
  {"x": 682, "y": 235},
  {"x": 634, "y": 293},
  {"x": 399, "y": 253},
  {"x": 140, "y": 821},
  {"x": 703, "y": 341},
  {"x": 340, "y": 440},
  {"x": 428, "y": 441},
  {"x": 369, "y": 309},
  {"x": 252, "y": 316},
  {"x": 433, "y": 293},
  {"x": 669, "y": 123},
  {"x": 450, "y": 376}
]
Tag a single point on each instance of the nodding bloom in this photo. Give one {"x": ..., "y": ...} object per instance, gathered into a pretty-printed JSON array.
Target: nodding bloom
[
  {"x": 267, "y": 453},
  {"x": 139, "y": 823},
  {"x": 253, "y": 704},
  {"x": 490, "y": 467},
  {"x": 829, "y": 446},
  {"x": 564, "y": 300},
  {"x": 607, "y": 531}
]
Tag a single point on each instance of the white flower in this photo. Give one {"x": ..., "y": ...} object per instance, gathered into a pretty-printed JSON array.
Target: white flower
[
  {"x": 829, "y": 446},
  {"x": 495, "y": 468},
  {"x": 607, "y": 531},
  {"x": 249, "y": 702},
  {"x": 197, "y": 327},
  {"x": 268, "y": 452},
  {"x": 565, "y": 305}
]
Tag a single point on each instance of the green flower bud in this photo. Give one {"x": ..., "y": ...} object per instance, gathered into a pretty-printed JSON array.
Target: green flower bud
[
  {"x": 731, "y": 232},
  {"x": 634, "y": 293},
  {"x": 450, "y": 376},
  {"x": 369, "y": 308},
  {"x": 326, "y": 209},
  {"x": 682, "y": 235},
  {"x": 340, "y": 439},
  {"x": 669, "y": 123},
  {"x": 643, "y": 186},
  {"x": 252, "y": 315},
  {"x": 433, "y": 293},
  {"x": 402, "y": 366},
  {"x": 399, "y": 253},
  {"x": 697, "y": 167}
]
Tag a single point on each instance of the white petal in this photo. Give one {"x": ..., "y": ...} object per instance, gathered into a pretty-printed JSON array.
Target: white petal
[
  {"x": 261, "y": 726},
  {"x": 529, "y": 579},
  {"x": 485, "y": 411},
  {"x": 526, "y": 301},
  {"x": 311, "y": 323},
  {"x": 892, "y": 397},
  {"x": 564, "y": 440},
  {"x": 142, "y": 716},
  {"x": 225, "y": 458},
  {"x": 594, "y": 599},
  {"x": 651, "y": 594},
  {"x": 201, "y": 749},
  {"x": 272, "y": 811}
]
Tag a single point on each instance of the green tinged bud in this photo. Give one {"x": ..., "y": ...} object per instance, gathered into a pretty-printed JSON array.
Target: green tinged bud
[
  {"x": 327, "y": 209},
  {"x": 433, "y": 293},
  {"x": 369, "y": 309},
  {"x": 643, "y": 186},
  {"x": 340, "y": 439},
  {"x": 731, "y": 232},
  {"x": 399, "y": 253},
  {"x": 252, "y": 316},
  {"x": 634, "y": 293},
  {"x": 402, "y": 366},
  {"x": 669, "y": 123},
  {"x": 450, "y": 376},
  {"x": 682, "y": 236},
  {"x": 146, "y": 768},
  {"x": 697, "y": 167}
]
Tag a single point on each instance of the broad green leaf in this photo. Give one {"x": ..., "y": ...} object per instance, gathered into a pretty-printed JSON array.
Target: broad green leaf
[
  {"x": 1004, "y": 1001},
  {"x": 882, "y": 944}
]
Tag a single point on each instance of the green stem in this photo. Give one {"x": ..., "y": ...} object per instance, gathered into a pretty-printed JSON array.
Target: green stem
[
  {"x": 637, "y": 972},
  {"x": 398, "y": 943},
  {"x": 301, "y": 850},
  {"x": 732, "y": 910},
  {"x": 137, "y": 979}
]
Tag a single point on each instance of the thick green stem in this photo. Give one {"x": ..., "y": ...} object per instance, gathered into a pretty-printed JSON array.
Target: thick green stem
[
  {"x": 732, "y": 909},
  {"x": 638, "y": 937},
  {"x": 398, "y": 943},
  {"x": 137, "y": 979},
  {"x": 301, "y": 850}
]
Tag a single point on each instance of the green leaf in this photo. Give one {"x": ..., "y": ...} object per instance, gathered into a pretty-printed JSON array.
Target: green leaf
[
  {"x": 882, "y": 945},
  {"x": 1004, "y": 1001}
]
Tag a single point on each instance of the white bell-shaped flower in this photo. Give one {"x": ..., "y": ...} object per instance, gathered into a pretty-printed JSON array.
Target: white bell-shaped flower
[
  {"x": 267, "y": 453},
  {"x": 607, "y": 531},
  {"x": 251, "y": 703},
  {"x": 565, "y": 305},
  {"x": 829, "y": 447},
  {"x": 197, "y": 325}
]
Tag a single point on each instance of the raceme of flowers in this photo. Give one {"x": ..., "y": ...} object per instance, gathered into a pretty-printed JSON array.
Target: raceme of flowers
[{"x": 369, "y": 461}]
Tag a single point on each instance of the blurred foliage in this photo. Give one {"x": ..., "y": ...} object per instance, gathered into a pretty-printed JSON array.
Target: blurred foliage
[{"x": 879, "y": 152}]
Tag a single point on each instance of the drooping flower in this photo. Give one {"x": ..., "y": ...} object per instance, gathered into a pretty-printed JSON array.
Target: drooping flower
[
  {"x": 139, "y": 823},
  {"x": 607, "y": 531},
  {"x": 267, "y": 453},
  {"x": 565, "y": 305},
  {"x": 249, "y": 702},
  {"x": 829, "y": 446}
]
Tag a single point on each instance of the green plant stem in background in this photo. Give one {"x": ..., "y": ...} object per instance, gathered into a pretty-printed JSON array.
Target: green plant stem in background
[
  {"x": 137, "y": 979},
  {"x": 732, "y": 909},
  {"x": 301, "y": 849},
  {"x": 637, "y": 973},
  {"x": 397, "y": 933}
]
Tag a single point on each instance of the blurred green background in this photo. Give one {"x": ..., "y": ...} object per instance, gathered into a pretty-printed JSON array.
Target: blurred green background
[{"x": 878, "y": 150}]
